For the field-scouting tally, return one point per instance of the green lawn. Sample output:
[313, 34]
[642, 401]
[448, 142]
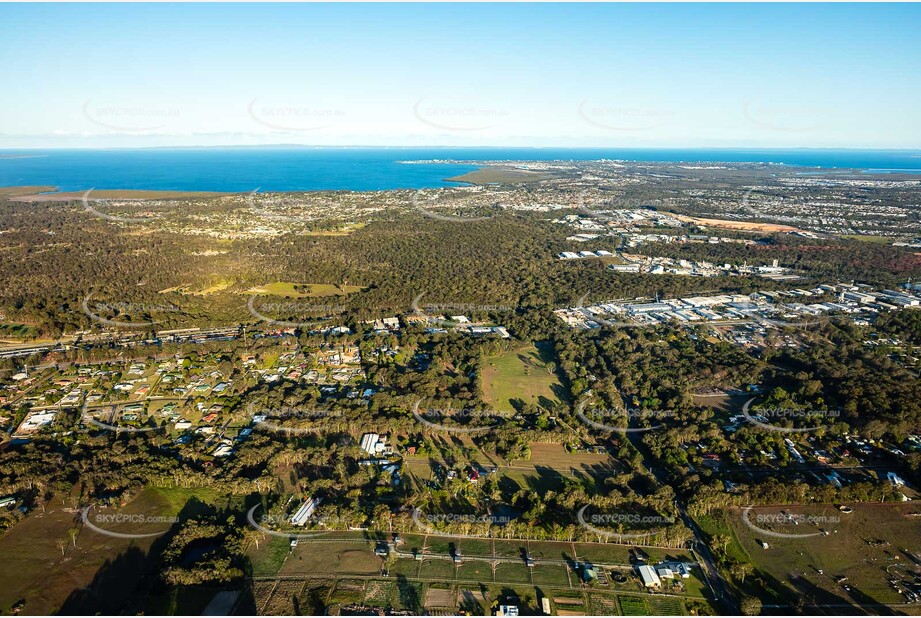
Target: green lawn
[604, 554]
[406, 567]
[475, 547]
[512, 572]
[550, 575]
[475, 570]
[268, 558]
[520, 376]
[509, 549]
[437, 569]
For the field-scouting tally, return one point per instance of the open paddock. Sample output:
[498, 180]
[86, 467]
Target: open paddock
[475, 570]
[513, 573]
[870, 545]
[437, 569]
[340, 558]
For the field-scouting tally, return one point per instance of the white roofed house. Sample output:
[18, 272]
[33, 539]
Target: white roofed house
[35, 421]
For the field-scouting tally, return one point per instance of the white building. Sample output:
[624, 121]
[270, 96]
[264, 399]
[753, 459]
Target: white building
[37, 420]
[649, 576]
[303, 514]
[375, 444]
[368, 442]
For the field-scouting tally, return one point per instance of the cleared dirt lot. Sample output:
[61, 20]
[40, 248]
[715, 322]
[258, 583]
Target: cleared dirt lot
[435, 597]
[739, 225]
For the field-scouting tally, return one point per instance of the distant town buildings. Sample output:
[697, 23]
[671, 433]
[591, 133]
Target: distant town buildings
[765, 308]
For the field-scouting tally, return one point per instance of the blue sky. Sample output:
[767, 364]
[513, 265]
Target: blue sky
[657, 75]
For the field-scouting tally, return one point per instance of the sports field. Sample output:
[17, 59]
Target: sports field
[521, 376]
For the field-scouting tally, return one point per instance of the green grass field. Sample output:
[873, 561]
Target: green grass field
[474, 570]
[36, 567]
[520, 375]
[549, 463]
[509, 549]
[269, 556]
[501, 175]
[476, 547]
[633, 606]
[550, 575]
[513, 572]
[437, 569]
[341, 558]
[860, 546]
[18, 331]
[304, 290]
[406, 567]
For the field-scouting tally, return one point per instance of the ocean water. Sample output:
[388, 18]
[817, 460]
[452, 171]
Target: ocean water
[357, 169]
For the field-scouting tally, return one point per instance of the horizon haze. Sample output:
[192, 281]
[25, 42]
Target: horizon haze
[547, 75]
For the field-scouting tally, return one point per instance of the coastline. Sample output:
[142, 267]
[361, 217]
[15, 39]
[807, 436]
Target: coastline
[51, 194]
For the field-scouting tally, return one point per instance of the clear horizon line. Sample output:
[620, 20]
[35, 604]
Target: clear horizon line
[456, 147]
